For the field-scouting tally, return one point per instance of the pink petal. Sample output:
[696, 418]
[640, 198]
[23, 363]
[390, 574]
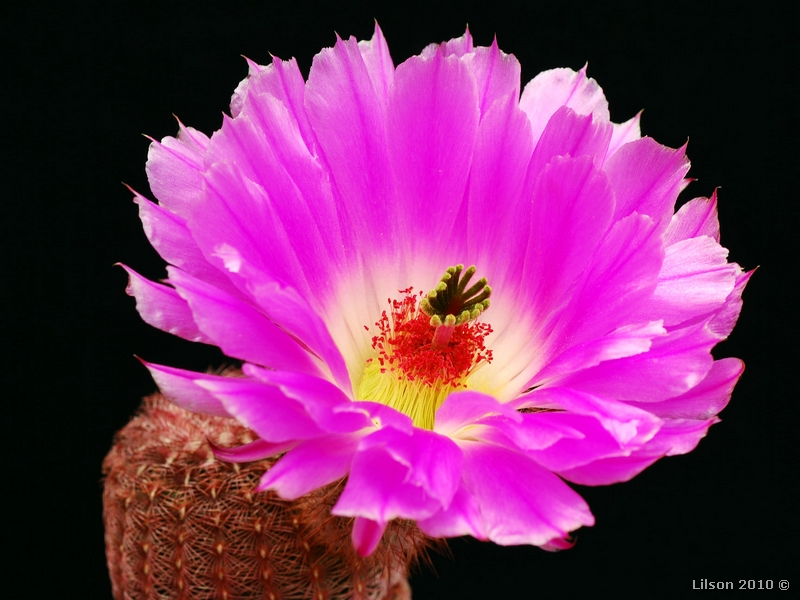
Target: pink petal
[431, 126]
[462, 517]
[621, 276]
[550, 90]
[503, 149]
[181, 388]
[330, 408]
[694, 281]
[238, 328]
[286, 309]
[262, 408]
[675, 363]
[462, 409]
[256, 450]
[379, 64]
[283, 81]
[366, 535]
[571, 212]
[723, 321]
[240, 93]
[568, 133]
[696, 218]
[170, 236]
[399, 475]
[455, 47]
[174, 170]
[704, 400]
[496, 75]
[627, 340]
[348, 120]
[624, 133]
[310, 465]
[162, 307]
[519, 501]
[646, 178]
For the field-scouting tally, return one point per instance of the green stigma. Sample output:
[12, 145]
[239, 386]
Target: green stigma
[451, 303]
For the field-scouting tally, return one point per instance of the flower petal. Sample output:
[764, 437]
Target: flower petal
[366, 535]
[496, 75]
[624, 133]
[181, 388]
[238, 328]
[462, 517]
[379, 64]
[432, 121]
[462, 409]
[696, 218]
[550, 90]
[255, 450]
[310, 465]
[174, 170]
[162, 307]
[519, 501]
[646, 177]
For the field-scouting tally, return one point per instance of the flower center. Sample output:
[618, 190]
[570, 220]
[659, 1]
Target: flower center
[427, 349]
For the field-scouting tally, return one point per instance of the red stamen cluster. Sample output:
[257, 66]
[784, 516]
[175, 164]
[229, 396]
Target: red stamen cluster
[405, 344]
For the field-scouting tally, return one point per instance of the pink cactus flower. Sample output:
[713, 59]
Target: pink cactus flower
[456, 296]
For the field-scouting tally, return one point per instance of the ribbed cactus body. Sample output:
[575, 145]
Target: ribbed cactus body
[182, 525]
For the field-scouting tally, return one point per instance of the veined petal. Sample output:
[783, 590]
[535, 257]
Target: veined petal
[262, 408]
[174, 169]
[311, 464]
[624, 133]
[462, 409]
[238, 328]
[455, 47]
[694, 281]
[704, 400]
[696, 218]
[646, 178]
[723, 321]
[378, 61]
[462, 517]
[399, 475]
[550, 90]
[348, 120]
[496, 75]
[182, 389]
[163, 308]
[432, 121]
[519, 501]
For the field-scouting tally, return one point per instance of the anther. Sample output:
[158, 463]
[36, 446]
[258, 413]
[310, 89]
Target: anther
[452, 298]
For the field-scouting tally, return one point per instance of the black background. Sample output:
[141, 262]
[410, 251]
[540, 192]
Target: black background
[84, 82]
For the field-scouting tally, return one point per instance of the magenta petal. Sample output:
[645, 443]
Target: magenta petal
[550, 90]
[379, 64]
[349, 122]
[571, 212]
[568, 133]
[174, 170]
[462, 409]
[310, 465]
[675, 363]
[628, 340]
[181, 388]
[462, 517]
[286, 309]
[256, 450]
[431, 126]
[704, 400]
[366, 535]
[723, 321]
[330, 408]
[519, 501]
[620, 278]
[162, 307]
[646, 177]
[238, 328]
[502, 152]
[695, 218]
[458, 47]
[624, 133]
[263, 408]
[399, 475]
[496, 74]
[694, 281]
[606, 471]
